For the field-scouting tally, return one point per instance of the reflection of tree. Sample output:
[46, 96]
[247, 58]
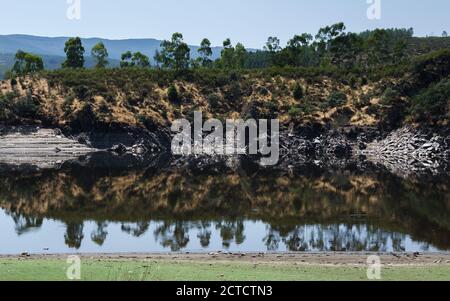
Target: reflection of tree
[99, 235]
[74, 235]
[137, 229]
[295, 242]
[231, 230]
[272, 240]
[308, 196]
[335, 238]
[174, 235]
[25, 223]
[204, 234]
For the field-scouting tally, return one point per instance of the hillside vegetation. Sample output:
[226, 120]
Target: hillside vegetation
[334, 79]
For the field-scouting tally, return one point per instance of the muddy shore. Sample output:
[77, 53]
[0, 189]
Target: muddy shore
[326, 259]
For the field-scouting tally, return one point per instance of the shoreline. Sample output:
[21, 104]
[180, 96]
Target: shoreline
[201, 267]
[320, 258]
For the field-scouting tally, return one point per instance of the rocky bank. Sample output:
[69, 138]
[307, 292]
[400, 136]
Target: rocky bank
[403, 152]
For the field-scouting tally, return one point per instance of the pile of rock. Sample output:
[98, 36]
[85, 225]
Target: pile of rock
[409, 150]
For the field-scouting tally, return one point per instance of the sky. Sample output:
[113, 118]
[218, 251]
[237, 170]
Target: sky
[246, 21]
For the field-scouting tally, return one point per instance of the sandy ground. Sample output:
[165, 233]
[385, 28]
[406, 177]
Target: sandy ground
[331, 259]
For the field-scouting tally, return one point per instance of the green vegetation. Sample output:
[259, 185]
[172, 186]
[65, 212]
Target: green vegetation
[117, 270]
[75, 54]
[100, 54]
[174, 54]
[297, 92]
[371, 78]
[432, 104]
[136, 59]
[26, 63]
[172, 94]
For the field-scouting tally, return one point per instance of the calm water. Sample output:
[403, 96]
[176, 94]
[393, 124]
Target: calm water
[309, 209]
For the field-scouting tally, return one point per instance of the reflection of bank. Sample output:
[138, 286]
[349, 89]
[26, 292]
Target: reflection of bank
[310, 209]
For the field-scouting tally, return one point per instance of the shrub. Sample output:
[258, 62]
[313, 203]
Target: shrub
[233, 92]
[393, 111]
[67, 104]
[297, 92]
[432, 67]
[85, 119]
[172, 94]
[5, 112]
[336, 99]
[82, 92]
[214, 100]
[147, 122]
[363, 81]
[294, 111]
[390, 97]
[104, 107]
[26, 107]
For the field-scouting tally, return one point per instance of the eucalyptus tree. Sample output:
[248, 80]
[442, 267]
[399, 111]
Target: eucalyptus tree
[174, 54]
[100, 54]
[75, 53]
[205, 53]
[26, 63]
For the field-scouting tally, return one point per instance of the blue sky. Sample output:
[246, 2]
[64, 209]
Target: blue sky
[247, 21]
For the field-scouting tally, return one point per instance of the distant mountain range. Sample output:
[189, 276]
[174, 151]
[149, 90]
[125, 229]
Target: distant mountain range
[52, 49]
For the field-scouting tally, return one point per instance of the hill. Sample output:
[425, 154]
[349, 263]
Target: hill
[52, 49]
[55, 46]
[51, 62]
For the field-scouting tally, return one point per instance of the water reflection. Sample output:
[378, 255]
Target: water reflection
[305, 210]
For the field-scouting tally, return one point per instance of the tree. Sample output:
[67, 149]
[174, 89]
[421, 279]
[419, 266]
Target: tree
[126, 59]
[136, 59]
[240, 54]
[140, 60]
[272, 45]
[344, 49]
[26, 63]
[75, 53]
[174, 54]
[205, 53]
[325, 37]
[227, 54]
[444, 34]
[100, 53]
[296, 51]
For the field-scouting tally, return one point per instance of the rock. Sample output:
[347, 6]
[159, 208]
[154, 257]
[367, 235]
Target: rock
[119, 149]
[409, 150]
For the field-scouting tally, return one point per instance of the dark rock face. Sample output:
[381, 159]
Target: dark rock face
[118, 149]
[324, 147]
